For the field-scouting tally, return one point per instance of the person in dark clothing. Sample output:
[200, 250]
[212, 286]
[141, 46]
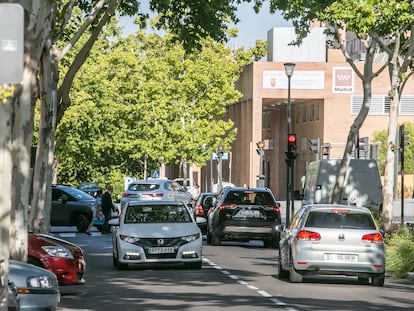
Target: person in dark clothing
[106, 207]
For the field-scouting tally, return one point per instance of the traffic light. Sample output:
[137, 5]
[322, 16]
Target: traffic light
[325, 150]
[260, 147]
[403, 137]
[314, 145]
[291, 151]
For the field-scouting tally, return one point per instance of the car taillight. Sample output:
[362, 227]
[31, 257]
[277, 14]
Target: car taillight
[125, 195]
[276, 208]
[199, 211]
[372, 238]
[308, 235]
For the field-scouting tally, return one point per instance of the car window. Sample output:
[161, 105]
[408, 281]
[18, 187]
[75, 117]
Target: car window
[157, 214]
[340, 220]
[249, 197]
[143, 187]
[76, 194]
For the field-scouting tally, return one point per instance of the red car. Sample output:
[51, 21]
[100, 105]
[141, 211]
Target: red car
[63, 258]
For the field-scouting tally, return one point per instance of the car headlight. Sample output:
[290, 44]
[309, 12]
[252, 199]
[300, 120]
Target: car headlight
[58, 251]
[190, 238]
[40, 282]
[129, 239]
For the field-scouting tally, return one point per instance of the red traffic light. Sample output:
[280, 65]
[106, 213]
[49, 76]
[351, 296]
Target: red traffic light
[292, 138]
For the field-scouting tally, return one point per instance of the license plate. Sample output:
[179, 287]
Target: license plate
[249, 214]
[161, 250]
[341, 257]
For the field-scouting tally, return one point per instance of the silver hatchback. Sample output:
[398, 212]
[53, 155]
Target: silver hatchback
[156, 189]
[332, 240]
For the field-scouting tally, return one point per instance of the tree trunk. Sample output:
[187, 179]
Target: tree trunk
[356, 125]
[37, 27]
[6, 200]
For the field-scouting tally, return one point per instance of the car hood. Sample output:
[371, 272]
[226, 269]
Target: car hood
[159, 230]
[20, 271]
[47, 240]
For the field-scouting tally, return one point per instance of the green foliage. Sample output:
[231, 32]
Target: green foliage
[381, 137]
[400, 253]
[144, 101]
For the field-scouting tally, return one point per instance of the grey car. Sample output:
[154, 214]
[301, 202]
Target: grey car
[330, 239]
[37, 288]
[156, 189]
[71, 207]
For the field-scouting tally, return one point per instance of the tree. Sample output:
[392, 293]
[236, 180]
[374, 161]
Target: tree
[387, 27]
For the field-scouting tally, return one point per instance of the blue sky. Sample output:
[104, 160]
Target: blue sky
[251, 27]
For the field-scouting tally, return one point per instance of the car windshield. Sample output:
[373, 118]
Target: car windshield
[355, 220]
[143, 187]
[249, 197]
[157, 214]
[78, 194]
[88, 186]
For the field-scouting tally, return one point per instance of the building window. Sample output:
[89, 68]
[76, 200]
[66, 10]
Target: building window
[297, 114]
[303, 113]
[314, 113]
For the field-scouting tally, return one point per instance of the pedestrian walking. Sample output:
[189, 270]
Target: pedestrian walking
[107, 207]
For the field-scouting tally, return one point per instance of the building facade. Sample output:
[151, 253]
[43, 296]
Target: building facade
[326, 96]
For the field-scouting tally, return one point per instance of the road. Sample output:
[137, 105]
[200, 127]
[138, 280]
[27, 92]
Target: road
[234, 276]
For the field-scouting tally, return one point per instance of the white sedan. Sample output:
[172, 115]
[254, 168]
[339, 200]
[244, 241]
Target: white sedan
[156, 232]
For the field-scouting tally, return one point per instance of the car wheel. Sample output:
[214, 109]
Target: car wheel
[282, 273]
[114, 261]
[215, 239]
[272, 243]
[82, 222]
[121, 266]
[378, 280]
[294, 276]
[35, 262]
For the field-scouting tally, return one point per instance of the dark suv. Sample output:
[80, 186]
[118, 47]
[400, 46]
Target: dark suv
[71, 207]
[243, 214]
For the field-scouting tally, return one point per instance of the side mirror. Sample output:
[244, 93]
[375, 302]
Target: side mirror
[63, 198]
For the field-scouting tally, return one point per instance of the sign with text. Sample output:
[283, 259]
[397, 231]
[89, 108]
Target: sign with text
[301, 80]
[11, 42]
[343, 80]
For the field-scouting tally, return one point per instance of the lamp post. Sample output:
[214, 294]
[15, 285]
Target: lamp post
[220, 152]
[289, 68]
[260, 183]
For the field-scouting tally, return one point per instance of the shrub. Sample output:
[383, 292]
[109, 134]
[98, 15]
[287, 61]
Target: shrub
[400, 252]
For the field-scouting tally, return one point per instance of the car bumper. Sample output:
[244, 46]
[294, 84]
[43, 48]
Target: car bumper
[133, 254]
[67, 271]
[247, 232]
[31, 302]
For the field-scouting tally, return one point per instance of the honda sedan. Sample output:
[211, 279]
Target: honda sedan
[332, 239]
[156, 232]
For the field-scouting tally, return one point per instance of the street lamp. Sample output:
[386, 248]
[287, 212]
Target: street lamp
[289, 68]
[220, 152]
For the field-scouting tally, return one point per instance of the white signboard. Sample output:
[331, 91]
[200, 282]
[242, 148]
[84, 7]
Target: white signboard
[301, 80]
[11, 42]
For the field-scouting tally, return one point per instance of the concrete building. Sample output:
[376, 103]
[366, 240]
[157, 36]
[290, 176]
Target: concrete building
[326, 96]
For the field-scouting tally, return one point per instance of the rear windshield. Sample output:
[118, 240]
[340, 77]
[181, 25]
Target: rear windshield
[340, 220]
[143, 187]
[157, 214]
[249, 197]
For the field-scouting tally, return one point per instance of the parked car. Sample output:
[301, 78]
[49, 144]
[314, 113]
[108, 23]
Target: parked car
[71, 207]
[155, 189]
[204, 202]
[12, 299]
[243, 214]
[90, 188]
[65, 259]
[332, 239]
[193, 188]
[37, 288]
[156, 232]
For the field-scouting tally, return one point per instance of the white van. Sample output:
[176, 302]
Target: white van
[362, 185]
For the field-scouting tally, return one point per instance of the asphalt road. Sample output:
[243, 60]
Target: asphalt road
[234, 276]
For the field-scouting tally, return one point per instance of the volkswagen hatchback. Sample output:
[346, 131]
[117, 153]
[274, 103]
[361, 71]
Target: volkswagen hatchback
[332, 240]
[156, 232]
